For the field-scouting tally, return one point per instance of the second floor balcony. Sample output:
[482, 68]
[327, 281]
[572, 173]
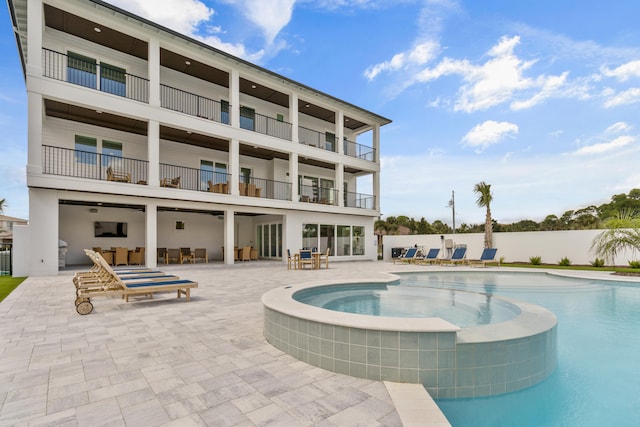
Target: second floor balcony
[88, 72]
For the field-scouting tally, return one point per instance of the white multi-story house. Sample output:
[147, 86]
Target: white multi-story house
[165, 142]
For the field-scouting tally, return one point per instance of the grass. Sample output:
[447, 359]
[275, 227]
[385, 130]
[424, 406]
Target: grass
[8, 284]
[625, 270]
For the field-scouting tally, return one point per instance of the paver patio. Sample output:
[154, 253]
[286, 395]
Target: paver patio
[167, 362]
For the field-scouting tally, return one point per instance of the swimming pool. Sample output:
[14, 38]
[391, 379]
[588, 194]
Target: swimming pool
[462, 308]
[449, 360]
[597, 380]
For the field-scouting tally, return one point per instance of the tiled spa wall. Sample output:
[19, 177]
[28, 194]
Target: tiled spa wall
[446, 368]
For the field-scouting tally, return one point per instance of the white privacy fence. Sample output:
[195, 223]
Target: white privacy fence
[551, 246]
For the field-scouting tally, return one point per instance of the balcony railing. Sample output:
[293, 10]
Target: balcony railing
[192, 104]
[91, 165]
[321, 195]
[316, 139]
[87, 73]
[359, 151]
[265, 125]
[266, 188]
[357, 200]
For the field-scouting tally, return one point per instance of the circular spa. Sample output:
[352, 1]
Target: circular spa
[454, 342]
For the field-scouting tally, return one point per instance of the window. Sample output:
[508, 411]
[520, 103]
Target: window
[206, 174]
[224, 112]
[358, 240]
[111, 152]
[343, 240]
[81, 70]
[269, 240]
[327, 233]
[179, 225]
[86, 149]
[247, 118]
[330, 141]
[113, 79]
[245, 175]
[220, 173]
[326, 191]
[310, 236]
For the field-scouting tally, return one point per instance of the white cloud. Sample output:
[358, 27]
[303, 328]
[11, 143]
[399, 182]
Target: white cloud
[182, 16]
[624, 71]
[489, 133]
[626, 97]
[419, 55]
[618, 127]
[604, 147]
[550, 86]
[270, 16]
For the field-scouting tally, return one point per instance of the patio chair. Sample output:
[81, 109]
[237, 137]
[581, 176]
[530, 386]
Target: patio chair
[325, 257]
[117, 175]
[121, 256]
[246, 253]
[200, 253]
[137, 256]
[488, 256]
[431, 257]
[292, 260]
[162, 255]
[305, 258]
[170, 182]
[173, 254]
[185, 254]
[409, 256]
[458, 257]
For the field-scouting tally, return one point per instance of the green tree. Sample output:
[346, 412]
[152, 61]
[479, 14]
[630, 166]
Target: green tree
[622, 233]
[483, 191]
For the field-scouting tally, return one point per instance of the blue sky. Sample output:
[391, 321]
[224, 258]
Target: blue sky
[539, 99]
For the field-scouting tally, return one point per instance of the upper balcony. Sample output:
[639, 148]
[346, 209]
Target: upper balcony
[95, 166]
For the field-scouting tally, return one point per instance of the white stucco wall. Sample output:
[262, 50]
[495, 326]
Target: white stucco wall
[514, 247]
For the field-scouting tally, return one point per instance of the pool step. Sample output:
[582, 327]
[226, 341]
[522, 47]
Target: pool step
[415, 406]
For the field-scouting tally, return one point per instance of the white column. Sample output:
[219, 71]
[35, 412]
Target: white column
[293, 117]
[376, 190]
[340, 183]
[234, 166]
[34, 133]
[229, 237]
[151, 234]
[35, 29]
[340, 131]
[234, 97]
[153, 153]
[376, 143]
[293, 175]
[44, 226]
[154, 72]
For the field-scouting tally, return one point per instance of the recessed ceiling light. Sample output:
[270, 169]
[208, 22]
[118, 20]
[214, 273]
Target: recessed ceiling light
[307, 106]
[253, 86]
[187, 62]
[98, 111]
[97, 29]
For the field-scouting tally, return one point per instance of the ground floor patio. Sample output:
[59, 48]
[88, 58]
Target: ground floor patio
[168, 362]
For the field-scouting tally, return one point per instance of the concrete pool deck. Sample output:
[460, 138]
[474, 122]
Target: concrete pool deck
[168, 362]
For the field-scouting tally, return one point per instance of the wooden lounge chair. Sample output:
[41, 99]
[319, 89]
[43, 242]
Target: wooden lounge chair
[488, 257]
[458, 257]
[431, 257]
[409, 256]
[111, 284]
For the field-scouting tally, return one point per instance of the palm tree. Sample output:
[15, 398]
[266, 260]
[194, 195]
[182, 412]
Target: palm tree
[483, 191]
[622, 233]
[3, 204]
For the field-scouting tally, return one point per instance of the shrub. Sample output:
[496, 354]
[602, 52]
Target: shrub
[597, 262]
[565, 262]
[634, 264]
[535, 260]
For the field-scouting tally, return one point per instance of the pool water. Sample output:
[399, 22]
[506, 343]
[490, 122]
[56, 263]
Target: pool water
[398, 300]
[597, 381]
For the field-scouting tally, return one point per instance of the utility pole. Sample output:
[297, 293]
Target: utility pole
[452, 205]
